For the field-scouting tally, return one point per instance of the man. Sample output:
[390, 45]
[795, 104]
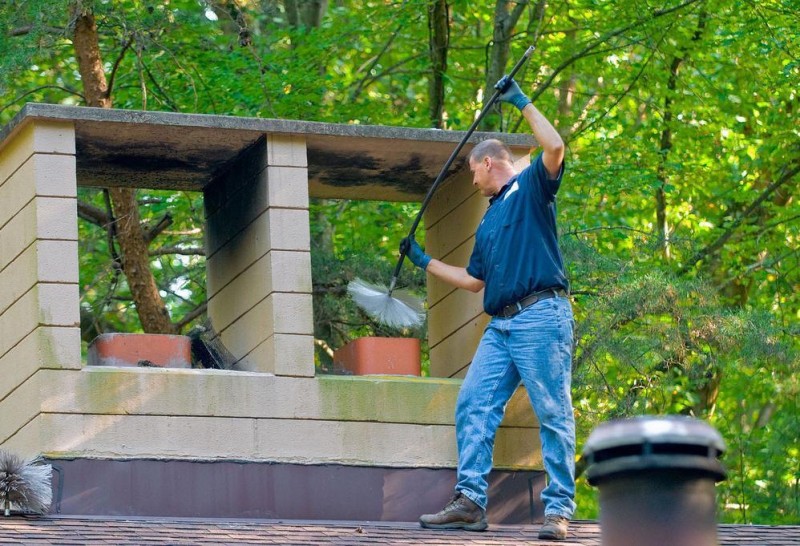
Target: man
[517, 261]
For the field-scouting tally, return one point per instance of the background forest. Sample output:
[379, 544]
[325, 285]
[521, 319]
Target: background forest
[678, 213]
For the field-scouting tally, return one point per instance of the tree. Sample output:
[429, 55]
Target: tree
[125, 223]
[439, 38]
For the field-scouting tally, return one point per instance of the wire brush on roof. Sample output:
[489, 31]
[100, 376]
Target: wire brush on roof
[25, 483]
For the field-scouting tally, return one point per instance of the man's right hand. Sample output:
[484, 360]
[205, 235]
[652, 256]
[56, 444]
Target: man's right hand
[410, 247]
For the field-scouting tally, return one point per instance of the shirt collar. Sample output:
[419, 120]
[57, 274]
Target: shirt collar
[503, 190]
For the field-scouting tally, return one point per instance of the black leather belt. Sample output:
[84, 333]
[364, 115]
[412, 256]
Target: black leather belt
[510, 310]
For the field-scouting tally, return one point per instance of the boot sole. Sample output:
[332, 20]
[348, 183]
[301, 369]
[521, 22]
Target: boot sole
[552, 536]
[477, 526]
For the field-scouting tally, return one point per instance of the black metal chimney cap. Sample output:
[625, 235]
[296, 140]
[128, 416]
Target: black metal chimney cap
[626, 446]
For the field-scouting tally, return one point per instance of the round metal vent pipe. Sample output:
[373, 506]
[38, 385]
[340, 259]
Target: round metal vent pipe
[655, 477]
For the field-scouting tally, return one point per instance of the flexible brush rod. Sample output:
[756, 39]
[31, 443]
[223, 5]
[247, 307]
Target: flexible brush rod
[443, 173]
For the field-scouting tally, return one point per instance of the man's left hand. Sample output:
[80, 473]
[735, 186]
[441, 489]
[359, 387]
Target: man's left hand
[511, 93]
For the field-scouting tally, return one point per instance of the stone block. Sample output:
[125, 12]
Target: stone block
[343, 442]
[286, 150]
[46, 347]
[456, 227]
[450, 195]
[289, 229]
[46, 137]
[288, 187]
[293, 354]
[147, 436]
[278, 313]
[18, 233]
[20, 406]
[42, 175]
[230, 260]
[453, 312]
[245, 172]
[458, 257]
[42, 305]
[282, 229]
[451, 355]
[279, 270]
[282, 354]
[57, 218]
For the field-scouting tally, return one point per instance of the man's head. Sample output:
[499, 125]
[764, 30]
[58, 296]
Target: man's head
[492, 165]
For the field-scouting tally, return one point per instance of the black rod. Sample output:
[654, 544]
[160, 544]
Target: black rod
[452, 158]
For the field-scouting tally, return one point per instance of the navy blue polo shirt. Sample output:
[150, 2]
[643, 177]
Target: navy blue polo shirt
[516, 246]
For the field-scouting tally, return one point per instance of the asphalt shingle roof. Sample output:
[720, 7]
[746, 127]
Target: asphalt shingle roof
[63, 530]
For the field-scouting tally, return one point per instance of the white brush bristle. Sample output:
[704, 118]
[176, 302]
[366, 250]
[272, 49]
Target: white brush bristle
[401, 310]
[25, 484]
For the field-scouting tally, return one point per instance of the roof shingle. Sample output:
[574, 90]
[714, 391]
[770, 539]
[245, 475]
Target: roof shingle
[63, 530]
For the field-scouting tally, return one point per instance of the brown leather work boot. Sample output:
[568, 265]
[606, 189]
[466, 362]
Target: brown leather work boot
[460, 513]
[554, 528]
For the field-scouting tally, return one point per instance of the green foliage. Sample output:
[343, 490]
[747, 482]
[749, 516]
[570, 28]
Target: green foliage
[178, 262]
[653, 343]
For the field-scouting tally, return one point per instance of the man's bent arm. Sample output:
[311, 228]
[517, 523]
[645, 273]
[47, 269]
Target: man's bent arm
[457, 276]
[548, 138]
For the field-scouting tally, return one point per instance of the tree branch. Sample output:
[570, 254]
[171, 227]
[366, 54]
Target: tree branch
[787, 176]
[40, 88]
[170, 250]
[118, 60]
[191, 315]
[164, 95]
[27, 29]
[391, 70]
[94, 215]
[589, 49]
[154, 231]
[99, 217]
[366, 79]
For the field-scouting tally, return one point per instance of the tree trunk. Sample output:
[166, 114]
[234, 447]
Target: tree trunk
[150, 307]
[305, 13]
[87, 50]
[438, 42]
[504, 23]
[152, 312]
[662, 225]
[312, 11]
[566, 90]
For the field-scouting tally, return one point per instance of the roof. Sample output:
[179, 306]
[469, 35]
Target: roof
[169, 150]
[149, 530]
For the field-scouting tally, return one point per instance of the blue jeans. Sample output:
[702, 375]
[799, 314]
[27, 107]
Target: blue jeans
[533, 347]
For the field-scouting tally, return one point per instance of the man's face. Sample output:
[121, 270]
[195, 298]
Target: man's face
[480, 175]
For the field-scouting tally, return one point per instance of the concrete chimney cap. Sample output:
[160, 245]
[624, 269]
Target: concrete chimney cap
[671, 429]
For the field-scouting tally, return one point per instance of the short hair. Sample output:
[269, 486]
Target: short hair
[496, 149]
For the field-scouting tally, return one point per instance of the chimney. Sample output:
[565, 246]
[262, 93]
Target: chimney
[656, 479]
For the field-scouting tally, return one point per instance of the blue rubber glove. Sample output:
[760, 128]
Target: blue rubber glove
[410, 247]
[511, 93]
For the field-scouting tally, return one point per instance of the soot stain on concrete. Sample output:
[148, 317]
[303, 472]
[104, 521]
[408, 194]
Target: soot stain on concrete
[341, 170]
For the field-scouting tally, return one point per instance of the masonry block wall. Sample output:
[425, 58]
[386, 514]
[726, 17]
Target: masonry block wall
[270, 408]
[39, 320]
[259, 258]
